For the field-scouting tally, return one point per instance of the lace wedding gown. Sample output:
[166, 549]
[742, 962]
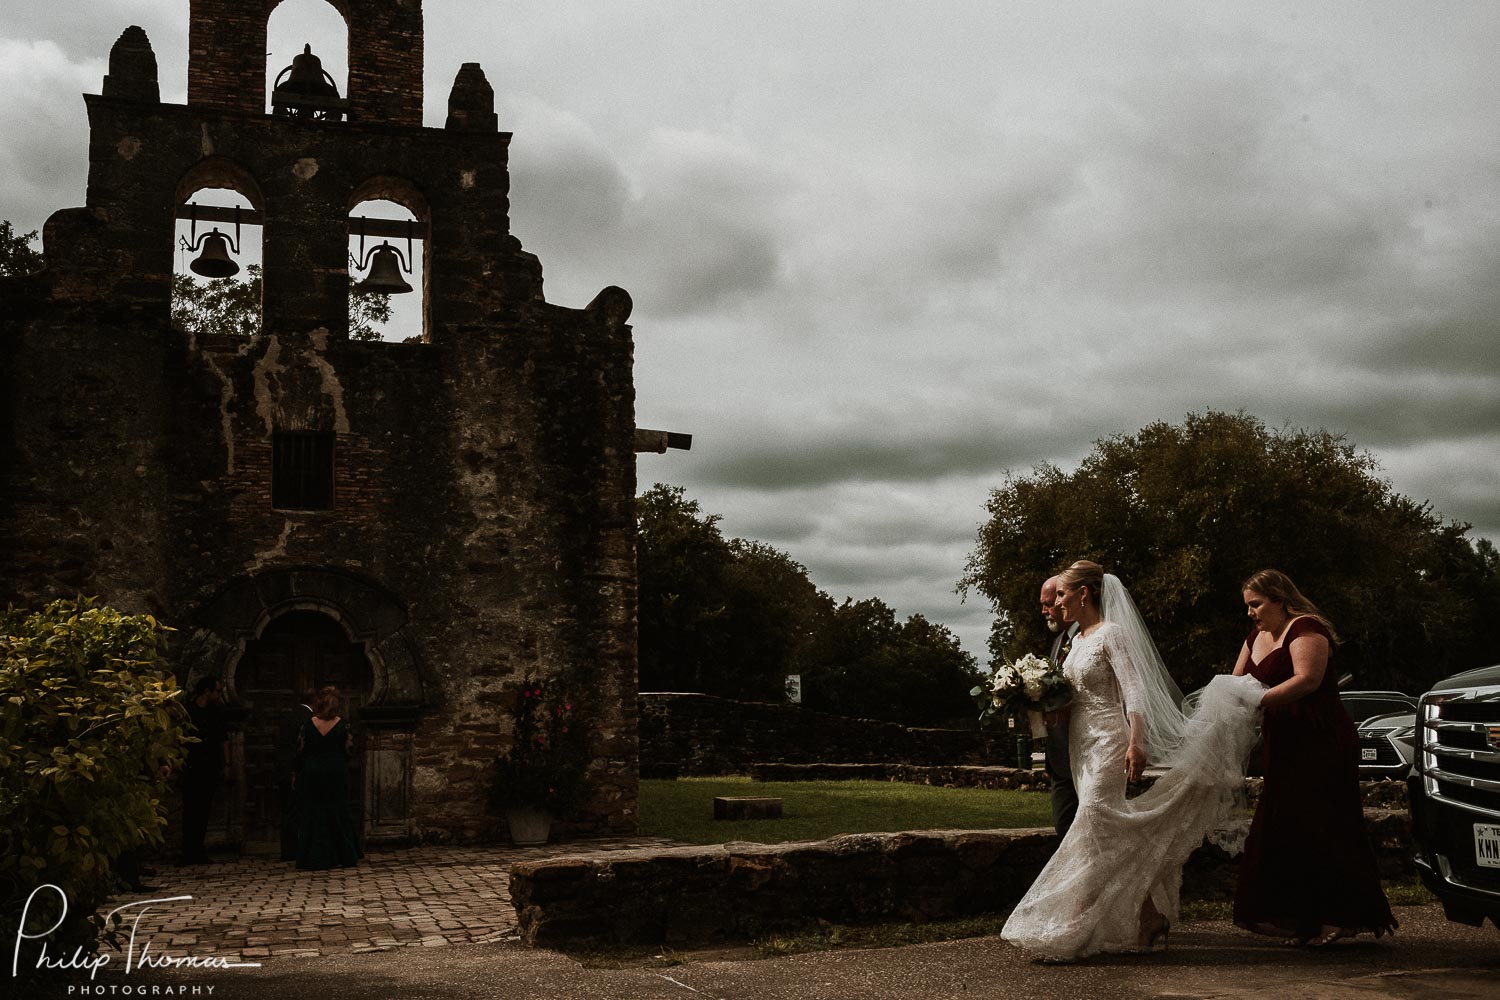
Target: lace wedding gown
[1088, 898]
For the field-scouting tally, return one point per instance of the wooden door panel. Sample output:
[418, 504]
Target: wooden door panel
[298, 652]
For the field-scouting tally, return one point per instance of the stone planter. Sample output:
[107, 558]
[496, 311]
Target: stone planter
[529, 825]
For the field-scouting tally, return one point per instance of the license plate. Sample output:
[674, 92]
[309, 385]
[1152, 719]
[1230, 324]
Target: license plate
[1487, 844]
[1368, 753]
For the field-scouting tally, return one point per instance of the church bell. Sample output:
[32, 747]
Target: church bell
[305, 88]
[386, 264]
[215, 261]
[306, 76]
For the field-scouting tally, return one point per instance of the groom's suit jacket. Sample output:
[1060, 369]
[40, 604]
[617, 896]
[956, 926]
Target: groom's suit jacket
[1064, 797]
[1059, 640]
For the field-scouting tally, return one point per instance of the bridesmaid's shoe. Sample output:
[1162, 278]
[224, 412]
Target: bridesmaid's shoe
[1328, 937]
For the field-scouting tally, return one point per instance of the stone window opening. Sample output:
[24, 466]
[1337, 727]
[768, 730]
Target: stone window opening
[302, 470]
[208, 308]
[376, 219]
[316, 24]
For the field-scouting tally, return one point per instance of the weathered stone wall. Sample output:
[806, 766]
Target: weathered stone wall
[733, 892]
[227, 41]
[697, 734]
[304, 178]
[482, 526]
[737, 891]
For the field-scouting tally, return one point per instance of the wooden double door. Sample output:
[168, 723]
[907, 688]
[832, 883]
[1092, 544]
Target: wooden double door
[296, 654]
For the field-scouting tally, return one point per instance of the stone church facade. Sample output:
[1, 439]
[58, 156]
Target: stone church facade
[424, 524]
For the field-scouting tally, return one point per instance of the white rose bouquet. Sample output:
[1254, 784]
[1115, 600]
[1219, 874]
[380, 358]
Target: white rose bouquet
[1029, 684]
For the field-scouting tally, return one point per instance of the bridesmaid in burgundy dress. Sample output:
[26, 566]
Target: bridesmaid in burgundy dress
[1308, 874]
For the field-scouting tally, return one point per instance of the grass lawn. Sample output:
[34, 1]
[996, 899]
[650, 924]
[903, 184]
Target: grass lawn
[683, 810]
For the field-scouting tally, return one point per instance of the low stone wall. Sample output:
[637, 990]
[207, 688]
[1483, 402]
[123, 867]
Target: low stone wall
[739, 891]
[700, 734]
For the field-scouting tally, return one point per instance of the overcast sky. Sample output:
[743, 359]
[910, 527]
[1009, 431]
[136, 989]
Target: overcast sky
[883, 253]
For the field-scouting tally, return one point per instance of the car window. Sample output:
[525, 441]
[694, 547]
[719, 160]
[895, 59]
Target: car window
[1363, 707]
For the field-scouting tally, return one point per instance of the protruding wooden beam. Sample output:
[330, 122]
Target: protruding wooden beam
[660, 441]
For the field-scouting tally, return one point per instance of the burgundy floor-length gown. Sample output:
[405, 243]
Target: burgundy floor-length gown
[1307, 863]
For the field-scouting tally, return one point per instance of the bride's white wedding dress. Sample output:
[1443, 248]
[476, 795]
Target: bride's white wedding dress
[1088, 898]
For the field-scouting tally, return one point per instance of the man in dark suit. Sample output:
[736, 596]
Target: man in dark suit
[1064, 796]
[206, 766]
[287, 739]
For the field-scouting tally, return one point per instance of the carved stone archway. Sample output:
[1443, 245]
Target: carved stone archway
[384, 713]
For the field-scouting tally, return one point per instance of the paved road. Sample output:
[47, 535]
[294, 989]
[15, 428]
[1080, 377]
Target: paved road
[435, 924]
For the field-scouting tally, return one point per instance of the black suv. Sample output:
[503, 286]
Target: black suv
[1455, 795]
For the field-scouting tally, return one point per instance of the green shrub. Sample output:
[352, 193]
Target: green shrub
[90, 727]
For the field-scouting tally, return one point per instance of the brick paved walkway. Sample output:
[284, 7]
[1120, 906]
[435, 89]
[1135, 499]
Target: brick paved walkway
[258, 908]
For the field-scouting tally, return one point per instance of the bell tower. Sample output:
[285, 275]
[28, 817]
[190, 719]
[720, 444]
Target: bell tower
[455, 510]
[303, 171]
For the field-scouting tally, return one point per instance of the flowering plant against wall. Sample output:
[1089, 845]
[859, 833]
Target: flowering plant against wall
[549, 752]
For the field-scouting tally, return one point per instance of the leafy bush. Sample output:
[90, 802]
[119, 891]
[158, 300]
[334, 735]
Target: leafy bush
[549, 753]
[90, 724]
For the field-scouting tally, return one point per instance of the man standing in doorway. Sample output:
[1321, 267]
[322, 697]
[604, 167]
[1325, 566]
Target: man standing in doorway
[288, 743]
[207, 765]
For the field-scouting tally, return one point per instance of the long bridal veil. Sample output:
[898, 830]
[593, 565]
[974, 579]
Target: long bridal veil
[1206, 753]
[1159, 701]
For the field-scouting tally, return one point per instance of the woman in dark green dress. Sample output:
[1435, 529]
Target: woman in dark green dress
[326, 835]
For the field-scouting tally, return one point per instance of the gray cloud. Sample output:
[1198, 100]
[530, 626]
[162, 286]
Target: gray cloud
[691, 217]
[771, 463]
[44, 155]
[881, 253]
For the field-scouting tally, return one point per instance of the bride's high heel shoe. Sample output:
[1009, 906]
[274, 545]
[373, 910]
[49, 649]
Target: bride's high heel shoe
[1159, 934]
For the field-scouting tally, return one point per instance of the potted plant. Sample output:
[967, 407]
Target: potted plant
[541, 777]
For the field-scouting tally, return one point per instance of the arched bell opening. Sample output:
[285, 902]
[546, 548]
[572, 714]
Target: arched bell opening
[307, 59]
[216, 273]
[298, 651]
[389, 254]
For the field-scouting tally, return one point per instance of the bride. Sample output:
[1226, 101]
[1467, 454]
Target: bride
[1113, 884]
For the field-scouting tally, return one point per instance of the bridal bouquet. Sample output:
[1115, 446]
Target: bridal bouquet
[1029, 684]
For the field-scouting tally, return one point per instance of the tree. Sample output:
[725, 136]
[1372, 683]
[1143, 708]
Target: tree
[867, 665]
[720, 616]
[229, 308]
[735, 617]
[775, 612]
[1184, 513]
[17, 256]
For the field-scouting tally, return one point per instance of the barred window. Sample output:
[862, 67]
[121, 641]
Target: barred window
[302, 470]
